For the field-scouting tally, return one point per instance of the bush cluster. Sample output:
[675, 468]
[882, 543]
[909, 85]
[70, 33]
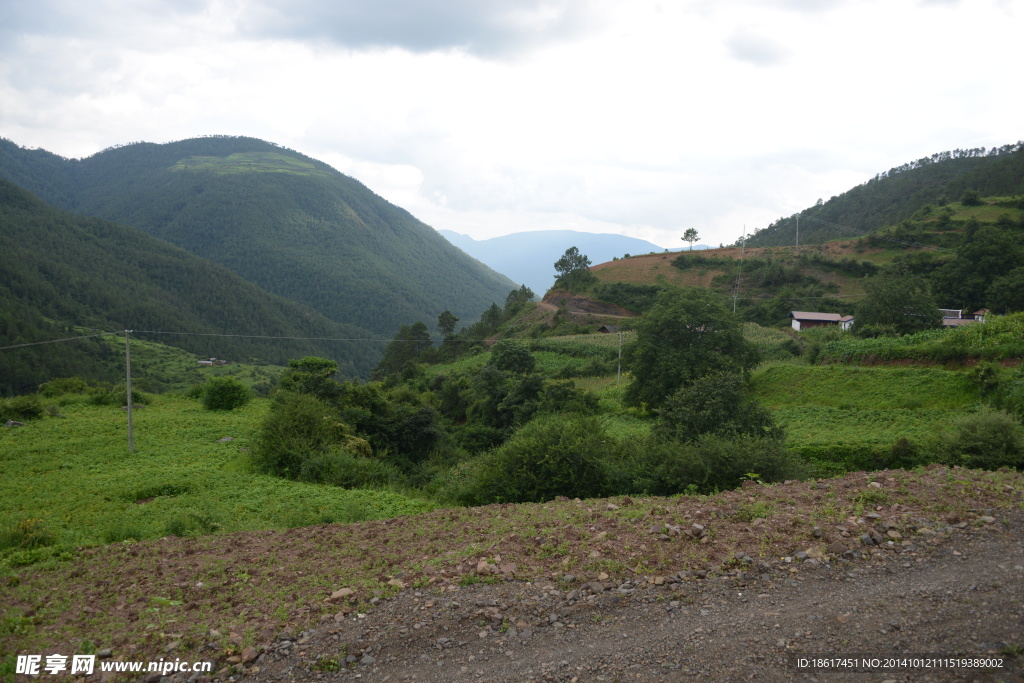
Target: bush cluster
[551, 456]
[225, 393]
[20, 408]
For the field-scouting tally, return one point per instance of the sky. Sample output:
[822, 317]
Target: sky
[487, 117]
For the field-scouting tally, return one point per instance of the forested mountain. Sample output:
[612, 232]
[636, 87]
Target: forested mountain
[289, 223]
[527, 257]
[61, 272]
[897, 194]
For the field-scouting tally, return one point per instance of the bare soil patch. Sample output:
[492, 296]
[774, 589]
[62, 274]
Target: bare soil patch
[726, 587]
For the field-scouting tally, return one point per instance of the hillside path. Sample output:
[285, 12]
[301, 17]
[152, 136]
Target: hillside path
[963, 595]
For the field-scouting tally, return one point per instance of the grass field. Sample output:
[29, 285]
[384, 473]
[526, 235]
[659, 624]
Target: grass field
[75, 477]
[781, 386]
[836, 414]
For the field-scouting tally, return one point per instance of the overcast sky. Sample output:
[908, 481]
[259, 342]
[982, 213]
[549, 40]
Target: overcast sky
[495, 116]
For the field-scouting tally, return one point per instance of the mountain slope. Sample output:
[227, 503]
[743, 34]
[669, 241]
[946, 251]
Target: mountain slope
[289, 223]
[60, 270]
[891, 197]
[527, 257]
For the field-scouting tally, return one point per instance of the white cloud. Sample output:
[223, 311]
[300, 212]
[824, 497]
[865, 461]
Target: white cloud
[483, 27]
[755, 48]
[611, 117]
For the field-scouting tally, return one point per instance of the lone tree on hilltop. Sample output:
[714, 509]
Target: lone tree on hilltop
[691, 236]
[573, 270]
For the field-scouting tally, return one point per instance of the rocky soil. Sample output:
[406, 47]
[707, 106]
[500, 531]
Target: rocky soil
[960, 594]
[739, 586]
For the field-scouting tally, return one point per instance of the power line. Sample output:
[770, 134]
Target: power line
[264, 336]
[54, 341]
[242, 336]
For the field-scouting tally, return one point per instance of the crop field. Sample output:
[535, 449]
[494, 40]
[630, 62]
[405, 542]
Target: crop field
[1001, 337]
[71, 480]
[250, 162]
[585, 344]
[781, 386]
[822, 426]
[654, 268]
[835, 415]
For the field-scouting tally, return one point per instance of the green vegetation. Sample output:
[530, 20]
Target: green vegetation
[999, 338]
[251, 162]
[902, 192]
[573, 271]
[551, 456]
[896, 303]
[63, 275]
[70, 481]
[225, 393]
[685, 336]
[501, 411]
[283, 221]
[849, 417]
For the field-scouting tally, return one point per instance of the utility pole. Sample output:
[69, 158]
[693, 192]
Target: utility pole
[128, 382]
[739, 269]
[798, 232]
[618, 375]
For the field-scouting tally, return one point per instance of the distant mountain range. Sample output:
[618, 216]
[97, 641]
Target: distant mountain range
[288, 223]
[528, 257]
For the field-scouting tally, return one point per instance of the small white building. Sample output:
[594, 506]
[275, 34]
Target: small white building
[803, 320]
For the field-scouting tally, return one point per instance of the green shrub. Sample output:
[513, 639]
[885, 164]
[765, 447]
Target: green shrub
[177, 526]
[116, 397]
[342, 468]
[26, 535]
[1008, 393]
[710, 463]
[476, 437]
[556, 455]
[987, 439]
[510, 355]
[838, 458]
[150, 491]
[198, 523]
[120, 530]
[225, 393]
[63, 385]
[714, 404]
[21, 408]
[298, 428]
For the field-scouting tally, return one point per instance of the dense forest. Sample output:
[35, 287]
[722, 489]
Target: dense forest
[897, 194]
[63, 275]
[286, 222]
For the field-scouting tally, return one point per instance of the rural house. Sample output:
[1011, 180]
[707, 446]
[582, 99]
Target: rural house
[954, 317]
[808, 319]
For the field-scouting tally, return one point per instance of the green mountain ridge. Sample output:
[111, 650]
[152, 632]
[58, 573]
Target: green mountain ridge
[897, 194]
[287, 222]
[60, 272]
